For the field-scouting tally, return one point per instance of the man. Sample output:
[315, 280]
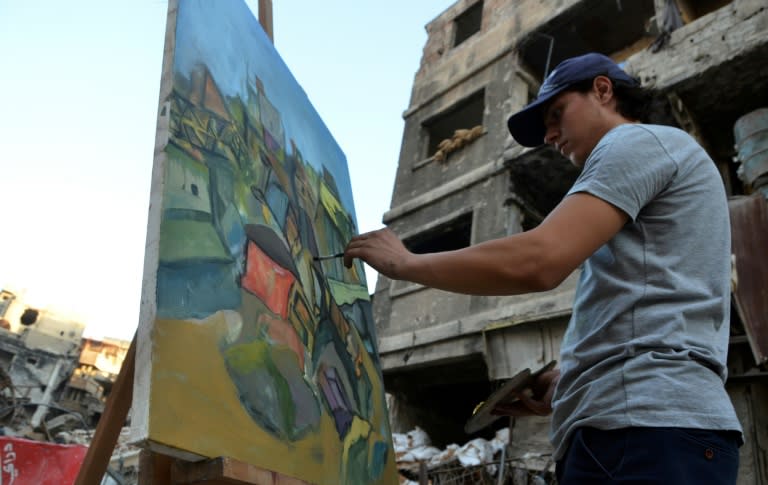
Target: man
[640, 395]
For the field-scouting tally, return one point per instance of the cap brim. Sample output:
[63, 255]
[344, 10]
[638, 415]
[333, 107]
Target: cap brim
[527, 125]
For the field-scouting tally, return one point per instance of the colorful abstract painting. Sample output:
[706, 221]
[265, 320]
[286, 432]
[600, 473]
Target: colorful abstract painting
[248, 347]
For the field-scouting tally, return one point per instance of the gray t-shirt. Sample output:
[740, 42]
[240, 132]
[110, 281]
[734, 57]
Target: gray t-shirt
[648, 337]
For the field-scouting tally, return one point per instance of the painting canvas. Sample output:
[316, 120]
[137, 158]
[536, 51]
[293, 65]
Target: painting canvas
[249, 347]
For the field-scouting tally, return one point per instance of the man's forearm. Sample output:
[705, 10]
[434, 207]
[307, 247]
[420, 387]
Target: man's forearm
[507, 266]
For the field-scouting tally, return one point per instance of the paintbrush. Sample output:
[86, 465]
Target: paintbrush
[330, 256]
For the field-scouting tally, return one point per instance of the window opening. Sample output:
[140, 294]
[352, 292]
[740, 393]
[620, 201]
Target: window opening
[29, 316]
[452, 235]
[692, 10]
[441, 398]
[468, 23]
[466, 114]
[617, 29]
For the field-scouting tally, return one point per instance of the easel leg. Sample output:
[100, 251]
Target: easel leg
[108, 430]
[154, 468]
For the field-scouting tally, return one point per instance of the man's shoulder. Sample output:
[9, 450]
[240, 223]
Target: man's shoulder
[647, 138]
[647, 129]
[630, 137]
[662, 133]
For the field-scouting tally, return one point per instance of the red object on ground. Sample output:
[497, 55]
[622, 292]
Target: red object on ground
[27, 462]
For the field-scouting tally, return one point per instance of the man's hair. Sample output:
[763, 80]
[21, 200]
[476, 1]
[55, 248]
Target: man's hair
[632, 101]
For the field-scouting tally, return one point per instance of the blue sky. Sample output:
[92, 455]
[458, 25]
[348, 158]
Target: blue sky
[79, 87]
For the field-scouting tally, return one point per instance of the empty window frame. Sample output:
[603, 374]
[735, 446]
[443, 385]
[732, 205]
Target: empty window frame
[451, 232]
[468, 23]
[694, 9]
[465, 114]
[449, 236]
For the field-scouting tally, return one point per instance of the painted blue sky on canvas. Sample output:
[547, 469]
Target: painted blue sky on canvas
[214, 34]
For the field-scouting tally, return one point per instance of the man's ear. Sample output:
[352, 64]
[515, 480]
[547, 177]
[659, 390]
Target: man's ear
[603, 88]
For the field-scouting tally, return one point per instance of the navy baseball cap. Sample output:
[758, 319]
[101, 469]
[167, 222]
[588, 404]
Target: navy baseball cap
[527, 125]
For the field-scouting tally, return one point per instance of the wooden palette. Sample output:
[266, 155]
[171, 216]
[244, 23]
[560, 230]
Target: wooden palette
[483, 417]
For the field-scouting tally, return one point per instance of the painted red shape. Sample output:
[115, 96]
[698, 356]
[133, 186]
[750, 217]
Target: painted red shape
[26, 462]
[267, 280]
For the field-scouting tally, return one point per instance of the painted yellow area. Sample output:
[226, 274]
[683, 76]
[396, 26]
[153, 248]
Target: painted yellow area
[267, 214]
[190, 385]
[248, 356]
[358, 430]
[330, 202]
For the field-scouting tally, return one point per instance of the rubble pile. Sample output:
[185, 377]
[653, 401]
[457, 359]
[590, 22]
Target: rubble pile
[414, 448]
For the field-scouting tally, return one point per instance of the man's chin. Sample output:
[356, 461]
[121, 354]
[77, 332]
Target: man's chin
[575, 161]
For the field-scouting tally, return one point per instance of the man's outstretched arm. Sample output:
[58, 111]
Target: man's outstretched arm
[535, 260]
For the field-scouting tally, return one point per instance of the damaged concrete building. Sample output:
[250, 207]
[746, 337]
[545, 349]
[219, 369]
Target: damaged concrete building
[51, 378]
[461, 180]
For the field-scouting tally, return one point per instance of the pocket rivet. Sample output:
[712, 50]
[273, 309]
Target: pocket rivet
[709, 453]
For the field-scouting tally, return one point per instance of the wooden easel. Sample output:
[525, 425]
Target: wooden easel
[111, 422]
[156, 468]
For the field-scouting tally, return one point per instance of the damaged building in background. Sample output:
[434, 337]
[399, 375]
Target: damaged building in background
[462, 180]
[52, 379]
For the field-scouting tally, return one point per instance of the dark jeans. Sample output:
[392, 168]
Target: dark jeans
[678, 456]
